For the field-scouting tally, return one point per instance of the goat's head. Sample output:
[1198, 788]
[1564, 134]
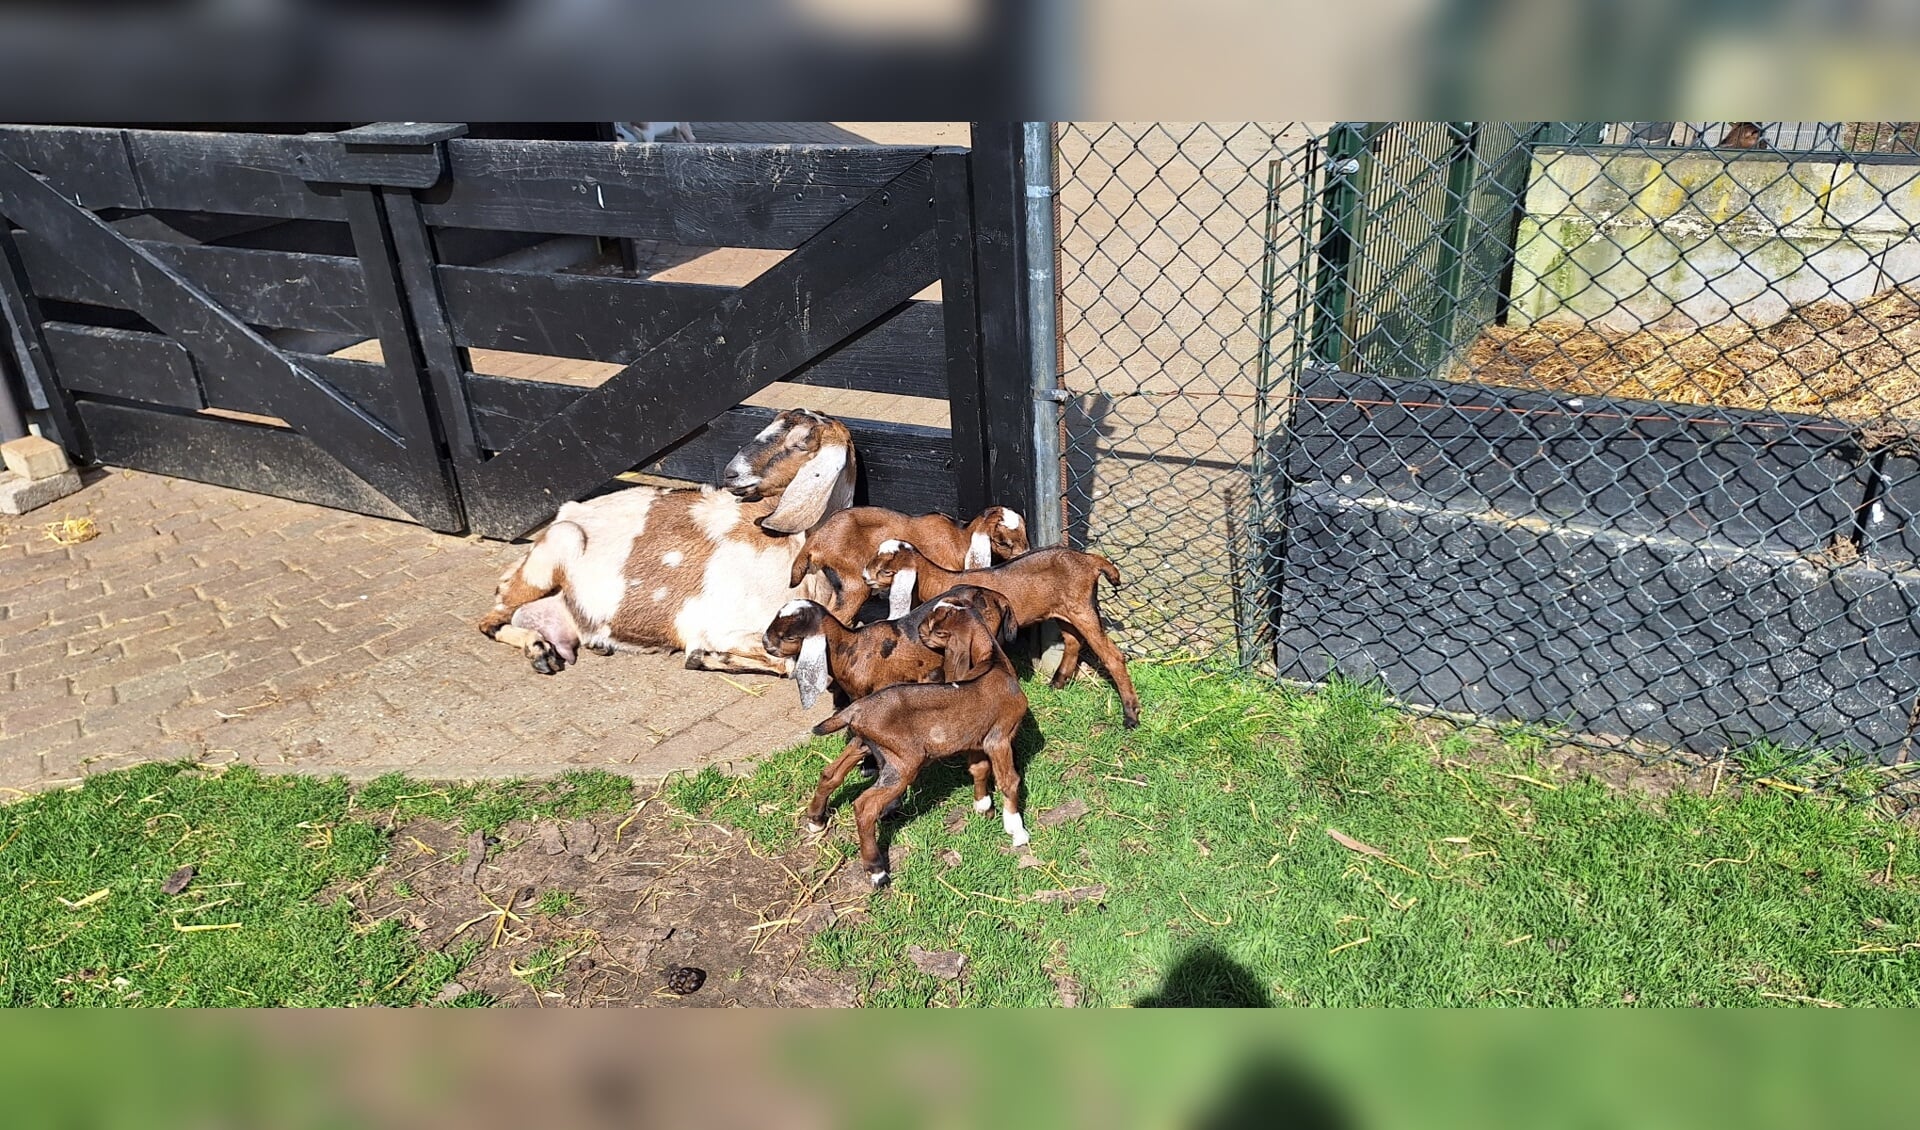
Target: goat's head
[1006, 532]
[896, 568]
[805, 458]
[954, 628]
[993, 609]
[798, 633]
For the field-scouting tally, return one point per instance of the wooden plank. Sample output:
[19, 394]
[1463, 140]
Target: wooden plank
[21, 318]
[1006, 382]
[903, 466]
[228, 351]
[271, 288]
[229, 453]
[953, 219]
[248, 173]
[123, 363]
[444, 361]
[598, 318]
[585, 316]
[89, 165]
[410, 411]
[702, 195]
[859, 267]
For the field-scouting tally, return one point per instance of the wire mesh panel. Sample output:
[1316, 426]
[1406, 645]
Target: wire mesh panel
[1164, 246]
[1619, 437]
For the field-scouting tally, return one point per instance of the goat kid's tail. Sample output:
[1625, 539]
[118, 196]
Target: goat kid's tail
[834, 724]
[1107, 569]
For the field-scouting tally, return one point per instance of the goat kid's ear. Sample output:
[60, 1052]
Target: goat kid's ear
[823, 484]
[966, 656]
[979, 552]
[900, 596]
[810, 670]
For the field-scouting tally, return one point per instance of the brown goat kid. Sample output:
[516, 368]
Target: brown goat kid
[974, 714]
[841, 547]
[1046, 584]
[855, 663]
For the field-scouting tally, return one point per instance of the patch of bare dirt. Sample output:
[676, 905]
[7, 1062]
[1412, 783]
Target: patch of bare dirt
[1619, 770]
[616, 910]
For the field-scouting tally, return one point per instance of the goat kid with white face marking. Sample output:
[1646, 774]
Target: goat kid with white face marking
[700, 570]
[840, 549]
[974, 714]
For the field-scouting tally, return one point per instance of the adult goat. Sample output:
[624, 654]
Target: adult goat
[701, 570]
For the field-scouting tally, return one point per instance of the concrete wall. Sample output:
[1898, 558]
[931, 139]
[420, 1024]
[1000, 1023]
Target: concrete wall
[1625, 240]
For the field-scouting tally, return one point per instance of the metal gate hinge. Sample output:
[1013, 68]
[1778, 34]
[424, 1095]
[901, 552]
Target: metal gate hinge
[1053, 395]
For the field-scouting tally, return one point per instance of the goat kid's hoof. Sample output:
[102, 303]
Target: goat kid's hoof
[869, 770]
[1131, 722]
[601, 648]
[984, 804]
[545, 660]
[815, 826]
[877, 878]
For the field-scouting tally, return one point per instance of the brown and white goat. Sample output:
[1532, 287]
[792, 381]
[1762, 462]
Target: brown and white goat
[700, 570]
[840, 549]
[975, 713]
[1047, 584]
[857, 662]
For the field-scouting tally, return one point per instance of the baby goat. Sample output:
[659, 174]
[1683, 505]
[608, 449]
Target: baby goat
[858, 662]
[1047, 584]
[975, 714]
[845, 542]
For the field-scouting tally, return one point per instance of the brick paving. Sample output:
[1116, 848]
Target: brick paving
[216, 625]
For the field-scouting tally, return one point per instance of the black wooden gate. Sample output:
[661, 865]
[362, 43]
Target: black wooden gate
[177, 301]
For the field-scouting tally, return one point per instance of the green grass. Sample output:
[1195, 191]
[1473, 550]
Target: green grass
[1209, 828]
[83, 919]
[555, 903]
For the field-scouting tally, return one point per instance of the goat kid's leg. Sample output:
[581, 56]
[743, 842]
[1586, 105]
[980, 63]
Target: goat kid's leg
[1069, 661]
[981, 766]
[1007, 778]
[1087, 625]
[546, 633]
[539, 574]
[831, 778]
[870, 807]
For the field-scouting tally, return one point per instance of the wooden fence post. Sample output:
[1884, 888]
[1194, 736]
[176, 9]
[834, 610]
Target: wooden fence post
[1005, 388]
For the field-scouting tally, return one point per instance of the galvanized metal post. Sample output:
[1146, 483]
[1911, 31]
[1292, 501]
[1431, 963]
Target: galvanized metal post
[1043, 343]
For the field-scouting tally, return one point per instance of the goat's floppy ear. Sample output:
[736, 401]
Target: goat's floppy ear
[823, 484]
[900, 596]
[969, 652]
[1009, 627]
[810, 670]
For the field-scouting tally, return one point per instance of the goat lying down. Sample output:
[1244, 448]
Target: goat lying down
[843, 544]
[974, 713]
[701, 570]
[1047, 584]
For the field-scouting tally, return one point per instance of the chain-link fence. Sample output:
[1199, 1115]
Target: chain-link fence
[1526, 423]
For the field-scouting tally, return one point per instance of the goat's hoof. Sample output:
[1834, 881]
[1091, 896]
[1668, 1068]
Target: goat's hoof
[601, 648]
[696, 660]
[816, 826]
[983, 804]
[1131, 721]
[1058, 682]
[545, 660]
[877, 878]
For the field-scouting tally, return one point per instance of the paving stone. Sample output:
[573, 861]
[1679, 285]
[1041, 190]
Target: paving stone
[194, 600]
